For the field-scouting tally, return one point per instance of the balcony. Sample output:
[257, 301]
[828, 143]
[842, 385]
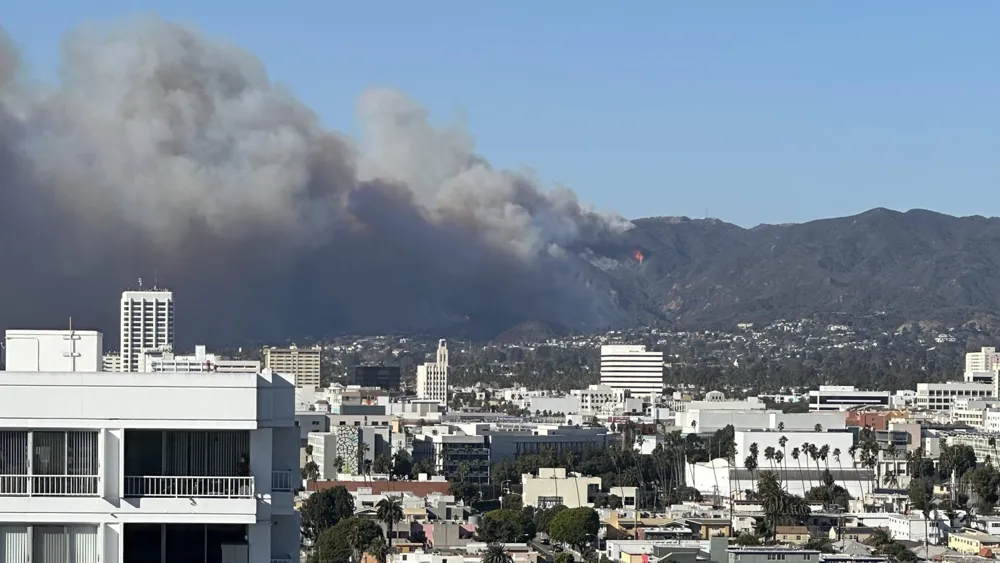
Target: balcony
[49, 485]
[188, 487]
[35, 463]
[282, 481]
[187, 464]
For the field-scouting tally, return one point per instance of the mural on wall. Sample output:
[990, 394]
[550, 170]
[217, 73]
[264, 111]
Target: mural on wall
[347, 448]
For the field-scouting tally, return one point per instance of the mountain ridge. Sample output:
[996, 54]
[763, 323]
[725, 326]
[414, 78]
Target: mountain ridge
[707, 273]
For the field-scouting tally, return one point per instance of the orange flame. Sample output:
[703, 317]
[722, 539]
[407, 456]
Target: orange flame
[639, 256]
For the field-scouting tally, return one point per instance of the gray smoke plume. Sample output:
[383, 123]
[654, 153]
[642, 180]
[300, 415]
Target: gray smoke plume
[161, 151]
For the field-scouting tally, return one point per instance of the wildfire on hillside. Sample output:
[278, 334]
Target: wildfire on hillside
[638, 255]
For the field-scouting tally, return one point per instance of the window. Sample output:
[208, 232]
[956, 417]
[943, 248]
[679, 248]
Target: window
[49, 544]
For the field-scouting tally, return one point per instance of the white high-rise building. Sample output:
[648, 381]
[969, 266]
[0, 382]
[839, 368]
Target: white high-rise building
[632, 368]
[147, 323]
[119, 467]
[432, 378]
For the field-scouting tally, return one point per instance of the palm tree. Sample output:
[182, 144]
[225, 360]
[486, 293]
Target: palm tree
[783, 442]
[796, 454]
[804, 449]
[778, 458]
[496, 553]
[363, 448]
[890, 479]
[750, 463]
[818, 427]
[769, 455]
[338, 462]
[781, 427]
[389, 511]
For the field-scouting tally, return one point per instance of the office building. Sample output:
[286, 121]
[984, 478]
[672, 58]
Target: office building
[54, 350]
[844, 397]
[379, 377]
[432, 377]
[632, 368]
[127, 467]
[303, 364]
[941, 396]
[160, 361]
[147, 323]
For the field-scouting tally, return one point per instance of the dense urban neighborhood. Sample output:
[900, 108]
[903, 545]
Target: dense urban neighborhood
[633, 446]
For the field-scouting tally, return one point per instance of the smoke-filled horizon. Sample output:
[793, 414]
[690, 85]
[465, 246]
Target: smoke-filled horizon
[160, 151]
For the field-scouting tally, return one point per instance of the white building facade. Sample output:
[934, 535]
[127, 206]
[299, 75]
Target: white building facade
[632, 368]
[147, 322]
[844, 397]
[122, 467]
[941, 396]
[432, 378]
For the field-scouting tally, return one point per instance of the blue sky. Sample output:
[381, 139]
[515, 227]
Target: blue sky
[755, 112]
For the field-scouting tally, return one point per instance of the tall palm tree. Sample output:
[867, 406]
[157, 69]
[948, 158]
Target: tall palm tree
[796, 455]
[363, 449]
[778, 458]
[750, 463]
[783, 442]
[389, 511]
[496, 553]
[804, 449]
[781, 427]
[769, 455]
[890, 479]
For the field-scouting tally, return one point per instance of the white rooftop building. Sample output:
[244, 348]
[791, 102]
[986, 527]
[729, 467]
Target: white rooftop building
[54, 350]
[119, 467]
[164, 360]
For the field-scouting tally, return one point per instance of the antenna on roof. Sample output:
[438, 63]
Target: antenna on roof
[140, 283]
[71, 324]
[156, 279]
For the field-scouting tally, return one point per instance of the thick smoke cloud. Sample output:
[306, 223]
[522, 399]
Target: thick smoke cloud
[161, 153]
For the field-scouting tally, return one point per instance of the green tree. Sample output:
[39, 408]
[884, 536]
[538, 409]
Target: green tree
[506, 526]
[543, 517]
[564, 557]
[575, 526]
[389, 511]
[324, 509]
[382, 465]
[496, 553]
[348, 539]
[512, 501]
[402, 465]
[746, 539]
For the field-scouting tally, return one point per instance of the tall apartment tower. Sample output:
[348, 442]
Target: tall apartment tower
[432, 378]
[147, 323]
[633, 368]
[301, 363]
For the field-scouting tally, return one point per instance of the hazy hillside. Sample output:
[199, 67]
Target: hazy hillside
[700, 273]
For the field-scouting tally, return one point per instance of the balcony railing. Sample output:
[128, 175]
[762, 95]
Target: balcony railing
[282, 481]
[49, 485]
[180, 487]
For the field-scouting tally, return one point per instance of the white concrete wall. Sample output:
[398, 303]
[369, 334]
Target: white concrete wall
[841, 440]
[54, 350]
[706, 420]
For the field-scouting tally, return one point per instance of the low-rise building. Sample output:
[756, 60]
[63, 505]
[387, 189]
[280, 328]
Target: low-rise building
[554, 486]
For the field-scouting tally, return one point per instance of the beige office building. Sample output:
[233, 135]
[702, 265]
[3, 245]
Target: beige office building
[301, 363]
